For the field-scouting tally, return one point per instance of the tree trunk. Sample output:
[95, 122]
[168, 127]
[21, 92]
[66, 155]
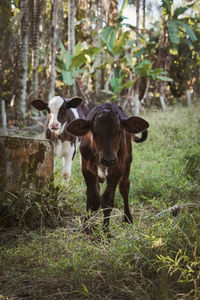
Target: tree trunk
[99, 71]
[163, 62]
[137, 20]
[136, 99]
[71, 32]
[188, 97]
[23, 58]
[35, 49]
[54, 15]
[145, 96]
[25, 164]
[136, 86]
[144, 13]
[162, 95]
[4, 118]
[71, 26]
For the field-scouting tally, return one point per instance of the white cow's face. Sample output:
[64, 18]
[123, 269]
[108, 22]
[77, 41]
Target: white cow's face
[58, 109]
[54, 106]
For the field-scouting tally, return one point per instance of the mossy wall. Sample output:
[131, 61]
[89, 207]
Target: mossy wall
[24, 164]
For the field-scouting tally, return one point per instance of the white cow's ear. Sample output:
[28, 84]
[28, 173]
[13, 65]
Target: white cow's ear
[79, 127]
[39, 104]
[73, 102]
[134, 125]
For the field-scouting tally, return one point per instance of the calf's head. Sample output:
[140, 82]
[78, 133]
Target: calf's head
[108, 132]
[57, 109]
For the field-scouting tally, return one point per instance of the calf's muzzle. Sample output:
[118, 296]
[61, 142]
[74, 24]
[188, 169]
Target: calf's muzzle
[108, 160]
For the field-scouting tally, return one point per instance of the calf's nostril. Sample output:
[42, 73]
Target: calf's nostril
[108, 161]
[54, 126]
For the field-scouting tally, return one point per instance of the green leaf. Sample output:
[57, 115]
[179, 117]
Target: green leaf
[78, 61]
[189, 31]
[85, 288]
[157, 71]
[179, 11]
[108, 37]
[78, 48]
[128, 84]
[60, 65]
[62, 48]
[140, 52]
[129, 61]
[163, 78]
[167, 4]
[108, 92]
[64, 56]
[173, 31]
[144, 68]
[67, 77]
[97, 65]
[92, 50]
[115, 83]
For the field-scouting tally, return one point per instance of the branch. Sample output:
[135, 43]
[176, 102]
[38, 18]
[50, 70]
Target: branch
[175, 210]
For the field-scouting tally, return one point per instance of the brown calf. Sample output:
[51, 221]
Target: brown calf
[107, 154]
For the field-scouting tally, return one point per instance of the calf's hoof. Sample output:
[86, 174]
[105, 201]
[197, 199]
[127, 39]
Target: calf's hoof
[66, 177]
[128, 219]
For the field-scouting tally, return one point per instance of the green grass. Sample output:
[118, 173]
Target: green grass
[155, 258]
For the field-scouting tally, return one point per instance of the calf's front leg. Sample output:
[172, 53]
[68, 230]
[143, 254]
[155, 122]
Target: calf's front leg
[67, 152]
[92, 190]
[108, 198]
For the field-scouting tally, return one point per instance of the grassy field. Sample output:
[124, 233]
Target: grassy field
[46, 256]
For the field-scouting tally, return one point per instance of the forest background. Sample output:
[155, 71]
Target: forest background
[90, 49]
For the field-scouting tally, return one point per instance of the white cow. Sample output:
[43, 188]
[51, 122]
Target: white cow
[61, 113]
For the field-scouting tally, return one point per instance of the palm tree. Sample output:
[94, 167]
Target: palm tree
[99, 25]
[35, 43]
[5, 9]
[23, 59]
[136, 92]
[71, 26]
[71, 33]
[54, 33]
[144, 13]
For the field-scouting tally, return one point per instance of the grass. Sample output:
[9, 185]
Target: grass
[155, 258]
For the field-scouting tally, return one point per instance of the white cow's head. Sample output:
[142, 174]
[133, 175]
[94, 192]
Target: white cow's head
[58, 109]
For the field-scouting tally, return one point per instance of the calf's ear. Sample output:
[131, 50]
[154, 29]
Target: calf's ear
[73, 102]
[39, 104]
[79, 127]
[134, 125]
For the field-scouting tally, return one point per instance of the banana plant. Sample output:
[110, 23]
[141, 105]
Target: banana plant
[63, 63]
[144, 69]
[177, 25]
[70, 66]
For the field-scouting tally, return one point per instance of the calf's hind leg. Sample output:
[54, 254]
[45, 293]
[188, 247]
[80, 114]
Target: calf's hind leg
[124, 191]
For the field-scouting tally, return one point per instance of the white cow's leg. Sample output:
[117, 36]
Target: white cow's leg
[68, 151]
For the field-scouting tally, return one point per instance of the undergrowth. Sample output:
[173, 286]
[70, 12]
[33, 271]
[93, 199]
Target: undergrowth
[155, 258]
